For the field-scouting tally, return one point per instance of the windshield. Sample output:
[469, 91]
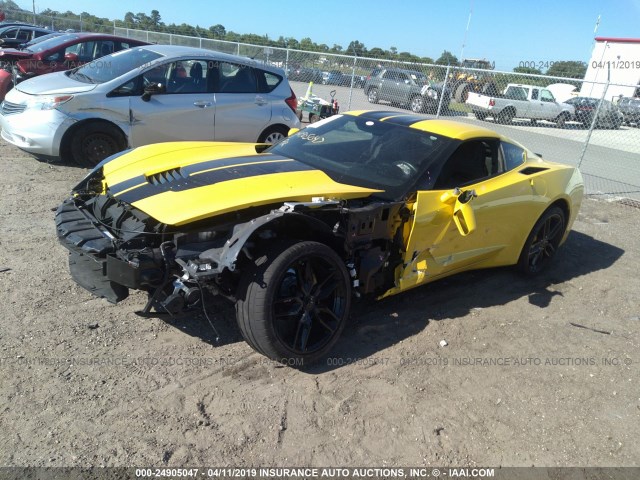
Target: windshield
[41, 39]
[113, 66]
[363, 151]
[53, 42]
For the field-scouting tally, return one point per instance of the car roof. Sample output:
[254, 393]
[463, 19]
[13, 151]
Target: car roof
[446, 128]
[182, 51]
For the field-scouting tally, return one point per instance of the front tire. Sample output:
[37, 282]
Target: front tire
[294, 301]
[543, 242]
[417, 104]
[94, 142]
[372, 96]
[562, 120]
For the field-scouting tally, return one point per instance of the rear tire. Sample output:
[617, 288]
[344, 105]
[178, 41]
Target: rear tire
[294, 301]
[506, 116]
[273, 134]
[543, 242]
[93, 142]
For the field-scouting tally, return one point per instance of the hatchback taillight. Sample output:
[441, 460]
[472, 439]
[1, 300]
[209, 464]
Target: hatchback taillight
[492, 103]
[292, 101]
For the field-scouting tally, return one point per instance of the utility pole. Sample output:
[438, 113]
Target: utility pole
[34, 12]
[464, 41]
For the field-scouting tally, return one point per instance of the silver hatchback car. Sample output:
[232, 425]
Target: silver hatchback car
[150, 94]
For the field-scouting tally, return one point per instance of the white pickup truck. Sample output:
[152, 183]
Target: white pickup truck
[520, 101]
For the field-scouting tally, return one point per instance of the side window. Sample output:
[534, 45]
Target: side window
[85, 51]
[534, 94]
[11, 33]
[472, 161]
[512, 156]
[546, 96]
[267, 81]
[23, 35]
[156, 74]
[516, 93]
[188, 76]
[234, 78]
[105, 47]
[390, 75]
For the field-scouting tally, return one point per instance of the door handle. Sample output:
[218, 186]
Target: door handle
[202, 103]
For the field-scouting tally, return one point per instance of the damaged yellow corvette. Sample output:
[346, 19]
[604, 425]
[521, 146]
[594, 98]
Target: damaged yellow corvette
[363, 203]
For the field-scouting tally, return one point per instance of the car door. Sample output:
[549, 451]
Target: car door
[185, 110]
[550, 108]
[242, 112]
[443, 239]
[536, 106]
[388, 85]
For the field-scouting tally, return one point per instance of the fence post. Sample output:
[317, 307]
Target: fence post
[238, 49]
[444, 86]
[286, 61]
[353, 78]
[593, 124]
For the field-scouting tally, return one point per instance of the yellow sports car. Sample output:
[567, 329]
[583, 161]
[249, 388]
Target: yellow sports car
[363, 203]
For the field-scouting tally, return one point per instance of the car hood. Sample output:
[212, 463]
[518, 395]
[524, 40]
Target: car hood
[54, 83]
[182, 182]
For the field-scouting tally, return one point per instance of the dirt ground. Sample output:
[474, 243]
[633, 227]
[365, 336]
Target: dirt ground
[86, 383]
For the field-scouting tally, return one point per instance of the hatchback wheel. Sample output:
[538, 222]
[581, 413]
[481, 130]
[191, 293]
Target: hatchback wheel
[273, 135]
[94, 142]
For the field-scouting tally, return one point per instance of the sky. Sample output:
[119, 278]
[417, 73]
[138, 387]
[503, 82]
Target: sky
[503, 31]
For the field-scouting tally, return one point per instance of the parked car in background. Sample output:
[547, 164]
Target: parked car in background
[630, 108]
[13, 36]
[609, 115]
[520, 101]
[307, 75]
[144, 95]
[408, 88]
[58, 53]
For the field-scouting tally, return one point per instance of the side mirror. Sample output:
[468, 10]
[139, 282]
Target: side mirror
[292, 131]
[71, 57]
[152, 89]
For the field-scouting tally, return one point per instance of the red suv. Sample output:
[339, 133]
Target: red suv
[56, 54]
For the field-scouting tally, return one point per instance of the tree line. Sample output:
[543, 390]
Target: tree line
[153, 22]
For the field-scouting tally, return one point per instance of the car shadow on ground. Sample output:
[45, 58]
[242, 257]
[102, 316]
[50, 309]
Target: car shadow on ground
[377, 325]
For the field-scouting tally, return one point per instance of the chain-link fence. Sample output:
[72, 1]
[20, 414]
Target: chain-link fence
[590, 124]
[595, 125]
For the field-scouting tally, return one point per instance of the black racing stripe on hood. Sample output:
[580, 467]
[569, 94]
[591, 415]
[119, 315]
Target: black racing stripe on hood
[215, 176]
[406, 120]
[397, 118]
[377, 115]
[195, 168]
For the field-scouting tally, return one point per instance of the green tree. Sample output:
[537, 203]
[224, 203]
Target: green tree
[356, 47]
[447, 58]
[527, 70]
[218, 31]
[569, 69]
